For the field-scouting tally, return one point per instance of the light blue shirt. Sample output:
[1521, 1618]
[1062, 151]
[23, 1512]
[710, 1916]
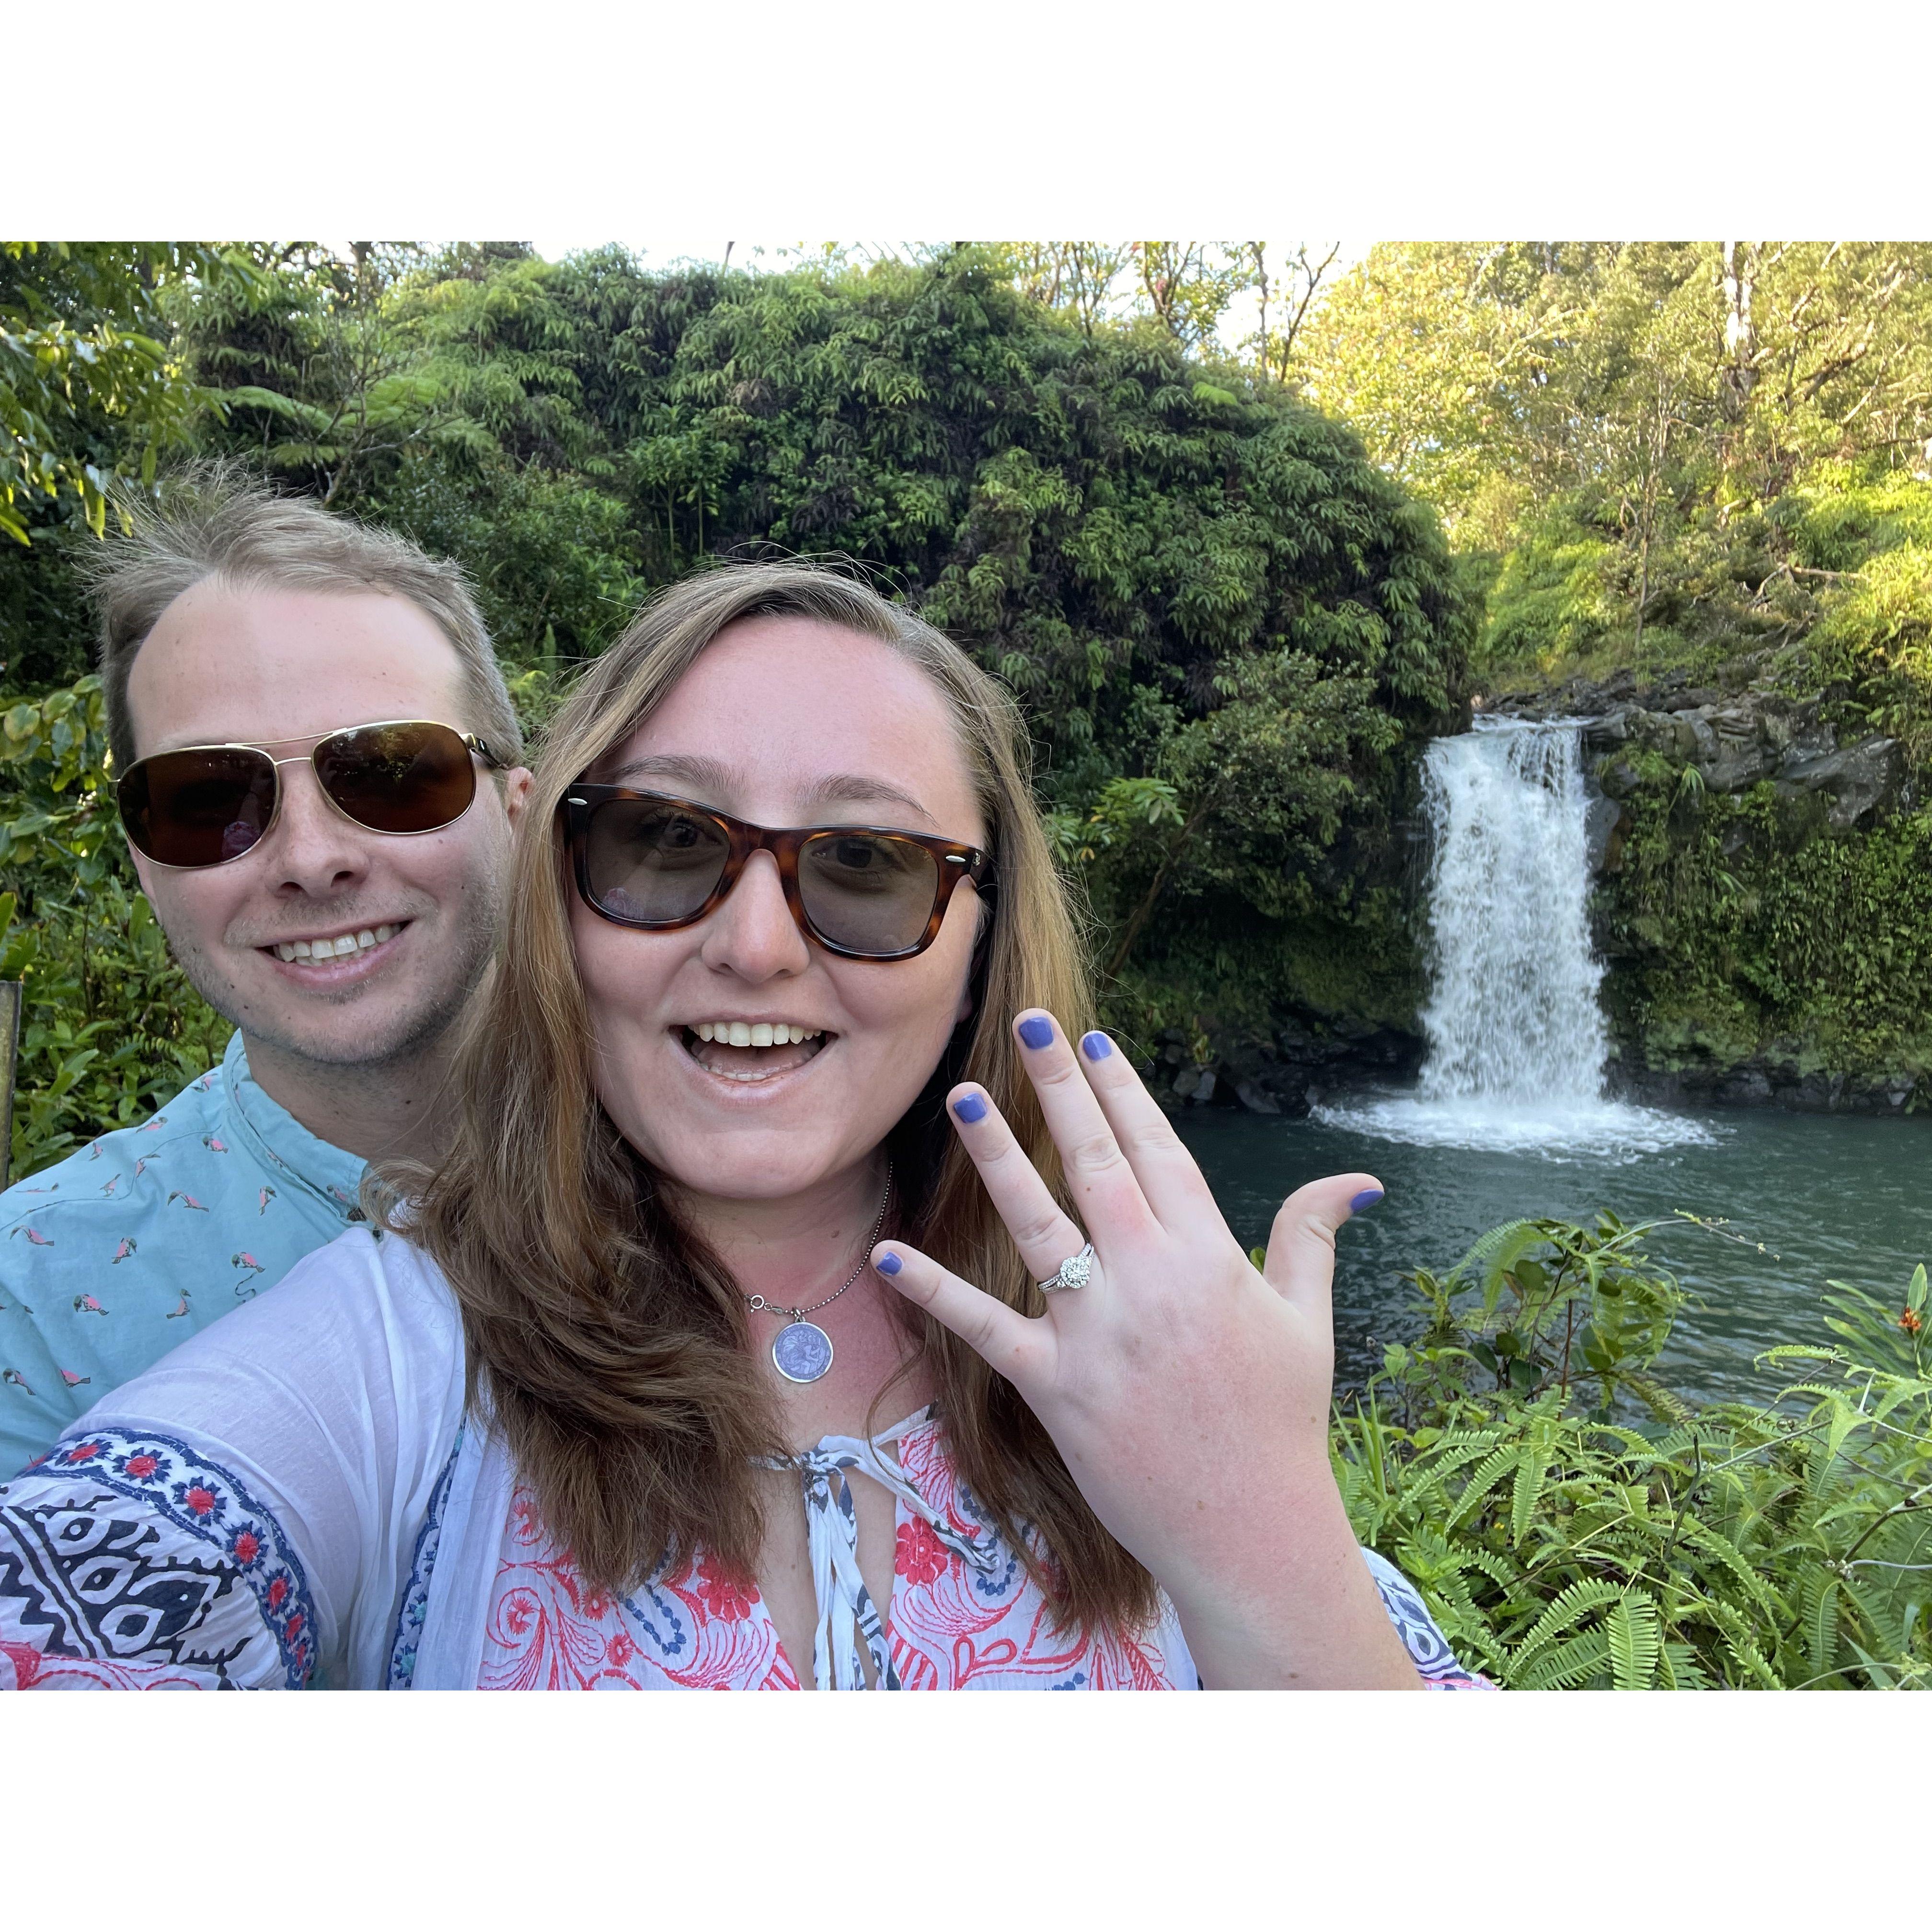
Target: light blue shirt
[123, 1250]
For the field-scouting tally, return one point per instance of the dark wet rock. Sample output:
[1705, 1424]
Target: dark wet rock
[1860, 780]
[1732, 742]
[1775, 1079]
[1310, 1054]
[1603, 824]
[1257, 1099]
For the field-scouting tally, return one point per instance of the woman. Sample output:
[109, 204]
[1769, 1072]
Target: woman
[749, 1159]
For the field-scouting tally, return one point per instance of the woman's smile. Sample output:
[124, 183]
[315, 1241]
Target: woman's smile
[753, 1052]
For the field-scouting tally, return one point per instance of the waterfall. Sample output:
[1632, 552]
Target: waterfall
[1517, 1043]
[1512, 1017]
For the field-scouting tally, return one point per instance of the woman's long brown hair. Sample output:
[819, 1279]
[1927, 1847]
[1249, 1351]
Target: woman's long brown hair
[611, 1348]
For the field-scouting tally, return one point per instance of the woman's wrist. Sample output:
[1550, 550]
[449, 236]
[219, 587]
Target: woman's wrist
[1288, 1602]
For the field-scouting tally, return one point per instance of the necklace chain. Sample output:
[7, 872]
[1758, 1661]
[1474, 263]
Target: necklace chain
[758, 1305]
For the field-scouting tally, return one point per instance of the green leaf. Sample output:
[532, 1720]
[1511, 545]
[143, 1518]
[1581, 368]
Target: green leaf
[1634, 1642]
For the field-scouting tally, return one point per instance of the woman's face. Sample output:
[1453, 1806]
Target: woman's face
[785, 721]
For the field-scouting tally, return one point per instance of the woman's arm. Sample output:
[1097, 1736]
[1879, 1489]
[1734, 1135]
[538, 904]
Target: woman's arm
[238, 1515]
[1189, 1393]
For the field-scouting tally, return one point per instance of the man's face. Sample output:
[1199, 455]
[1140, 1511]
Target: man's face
[280, 668]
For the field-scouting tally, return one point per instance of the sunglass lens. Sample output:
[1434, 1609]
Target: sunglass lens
[867, 891]
[653, 861]
[398, 778]
[192, 809]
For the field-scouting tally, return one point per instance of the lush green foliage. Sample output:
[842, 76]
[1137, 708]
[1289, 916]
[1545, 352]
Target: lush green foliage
[1657, 440]
[110, 1028]
[1574, 1524]
[1202, 591]
[1744, 927]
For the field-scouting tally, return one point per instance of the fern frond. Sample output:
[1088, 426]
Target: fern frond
[1634, 1641]
[1571, 1605]
[1567, 1666]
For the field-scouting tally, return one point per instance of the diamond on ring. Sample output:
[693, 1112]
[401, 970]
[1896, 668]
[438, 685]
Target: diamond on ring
[1074, 1272]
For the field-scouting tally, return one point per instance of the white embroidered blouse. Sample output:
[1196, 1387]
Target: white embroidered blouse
[294, 1498]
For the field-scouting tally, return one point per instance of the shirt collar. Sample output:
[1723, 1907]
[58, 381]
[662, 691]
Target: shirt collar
[332, 1174]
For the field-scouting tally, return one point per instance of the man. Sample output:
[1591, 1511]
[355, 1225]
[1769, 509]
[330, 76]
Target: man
[338, 908]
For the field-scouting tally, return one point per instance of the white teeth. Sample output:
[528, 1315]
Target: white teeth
[344, 943]
[754, 1032]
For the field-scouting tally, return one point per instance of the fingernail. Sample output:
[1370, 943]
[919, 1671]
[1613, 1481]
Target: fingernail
[1367, 1198]
[889, 1264]
[972, 1107]
[1036, 1033]
[1095, 1046]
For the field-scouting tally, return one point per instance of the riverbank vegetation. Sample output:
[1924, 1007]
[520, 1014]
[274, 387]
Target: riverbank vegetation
[1575, 1524]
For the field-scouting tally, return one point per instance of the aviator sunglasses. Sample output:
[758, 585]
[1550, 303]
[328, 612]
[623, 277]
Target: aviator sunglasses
[207, 804]
[657, 863]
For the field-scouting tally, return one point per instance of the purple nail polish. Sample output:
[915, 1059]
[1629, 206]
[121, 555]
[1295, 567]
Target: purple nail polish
[1367, 1198]
[889, 1265]
[1095, 1046]
[971, 1108]
[1037, 1032]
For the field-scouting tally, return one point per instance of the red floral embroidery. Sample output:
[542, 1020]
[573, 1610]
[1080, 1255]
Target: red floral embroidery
[200, 1500]
[620, 1650]
[278, 1591]
[248, 1547]
[921, 1557]
[141, 1467]
[725, 1596]
[82, 1452]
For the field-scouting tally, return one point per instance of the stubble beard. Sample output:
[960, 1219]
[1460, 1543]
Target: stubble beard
[349, 1046]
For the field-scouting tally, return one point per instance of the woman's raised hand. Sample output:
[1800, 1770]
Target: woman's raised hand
[1189, 1393]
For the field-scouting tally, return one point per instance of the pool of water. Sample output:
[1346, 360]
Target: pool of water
[1825, 1197]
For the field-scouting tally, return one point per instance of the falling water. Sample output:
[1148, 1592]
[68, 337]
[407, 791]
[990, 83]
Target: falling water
[1517, 1043]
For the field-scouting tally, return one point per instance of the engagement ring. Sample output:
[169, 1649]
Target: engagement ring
[1072, 1272]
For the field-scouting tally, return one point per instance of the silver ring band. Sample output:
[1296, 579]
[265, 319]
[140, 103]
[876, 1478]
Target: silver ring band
[1073, 1272]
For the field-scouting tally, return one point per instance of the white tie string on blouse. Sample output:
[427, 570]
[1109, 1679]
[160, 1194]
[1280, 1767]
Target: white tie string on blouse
[846, 1610]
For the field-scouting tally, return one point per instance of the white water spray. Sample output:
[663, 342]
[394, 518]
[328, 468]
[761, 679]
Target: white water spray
[1517, 1043]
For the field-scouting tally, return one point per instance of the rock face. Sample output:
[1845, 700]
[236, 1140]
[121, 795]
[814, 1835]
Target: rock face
[1775, 1080]
[1731, 742]
[1310, 1057]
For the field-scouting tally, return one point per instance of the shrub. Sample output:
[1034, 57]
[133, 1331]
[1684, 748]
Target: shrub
[1574, 1524]
[110, 1027]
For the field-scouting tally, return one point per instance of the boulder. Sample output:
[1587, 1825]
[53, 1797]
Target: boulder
[1858, 780]
[1732, 750]
[1257, 1099]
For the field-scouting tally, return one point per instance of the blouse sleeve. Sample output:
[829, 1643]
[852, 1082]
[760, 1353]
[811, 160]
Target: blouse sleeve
[1435, 1664]
[242, 1515]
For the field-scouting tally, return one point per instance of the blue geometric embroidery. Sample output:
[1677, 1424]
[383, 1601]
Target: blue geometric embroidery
[415, 1594]
[209, 1503]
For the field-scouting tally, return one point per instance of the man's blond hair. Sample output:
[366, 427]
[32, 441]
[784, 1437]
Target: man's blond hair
[214, 520]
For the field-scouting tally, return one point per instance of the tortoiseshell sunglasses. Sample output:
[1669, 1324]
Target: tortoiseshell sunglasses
[643, 860]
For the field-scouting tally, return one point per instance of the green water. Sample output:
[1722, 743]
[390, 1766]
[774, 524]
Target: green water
[1832, 1197]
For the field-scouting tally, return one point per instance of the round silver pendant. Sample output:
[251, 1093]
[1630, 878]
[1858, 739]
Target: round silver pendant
[802, 1351]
